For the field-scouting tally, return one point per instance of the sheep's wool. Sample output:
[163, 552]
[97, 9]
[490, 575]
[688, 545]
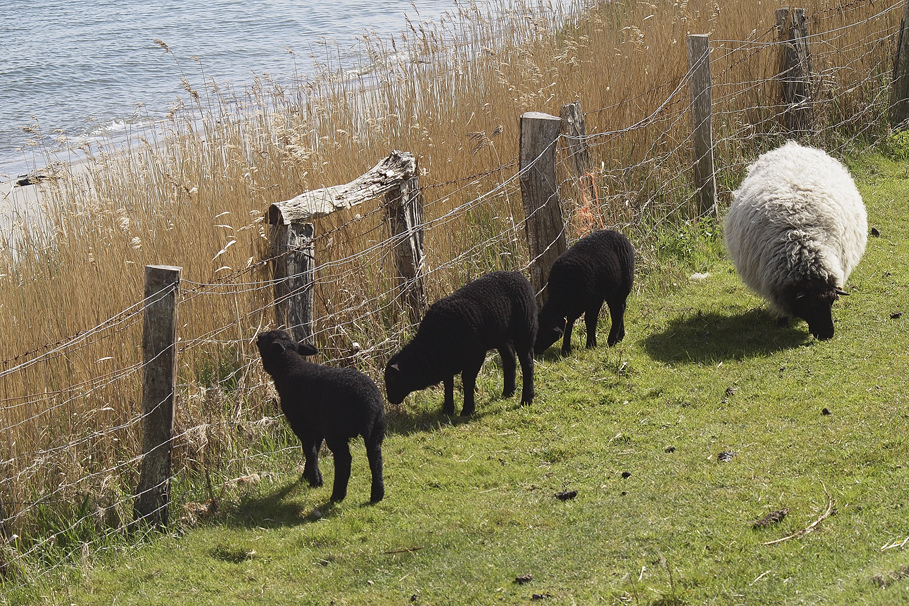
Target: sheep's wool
[796, 216]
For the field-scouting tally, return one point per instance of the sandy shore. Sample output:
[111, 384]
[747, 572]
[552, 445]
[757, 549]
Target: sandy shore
[19, 203]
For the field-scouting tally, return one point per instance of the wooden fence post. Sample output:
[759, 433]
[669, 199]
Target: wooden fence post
[899, 93]
[404, 212]
[159, 355]
[575, 131]
[293, 268]
[395, 178]
[702, 122]
[795, 69]
[540, 195]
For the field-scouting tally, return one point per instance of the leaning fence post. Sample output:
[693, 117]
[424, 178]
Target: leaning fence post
[795, 68]
[404, 211]
[540, 194]
[899, 93]
[293, 269]
[702, 122]
[575, 132]
[159, 355]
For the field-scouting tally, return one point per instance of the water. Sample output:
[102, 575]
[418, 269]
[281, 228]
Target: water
[83, 69]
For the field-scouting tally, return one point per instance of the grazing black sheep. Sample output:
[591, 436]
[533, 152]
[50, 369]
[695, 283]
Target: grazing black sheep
[598, 267]
[497, 311]
[336, 404]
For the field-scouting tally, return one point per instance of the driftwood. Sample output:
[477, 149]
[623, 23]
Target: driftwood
[379, 180]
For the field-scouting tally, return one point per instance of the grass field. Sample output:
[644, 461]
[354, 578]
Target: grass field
[705, 419]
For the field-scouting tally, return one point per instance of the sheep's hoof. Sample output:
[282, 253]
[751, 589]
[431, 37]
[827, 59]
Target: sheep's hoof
[467, 412]
[314, 482]
[377, 495]
[509, 392]
[338, 498]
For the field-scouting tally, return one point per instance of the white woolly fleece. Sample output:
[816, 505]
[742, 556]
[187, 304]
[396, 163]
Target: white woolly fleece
[797, 215]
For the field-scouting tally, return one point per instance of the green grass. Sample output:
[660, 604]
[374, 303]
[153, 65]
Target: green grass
[636, 430]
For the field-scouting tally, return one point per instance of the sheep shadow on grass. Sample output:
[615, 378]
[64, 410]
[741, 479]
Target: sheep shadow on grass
[405, 420]
[279, 509]
[710, 337]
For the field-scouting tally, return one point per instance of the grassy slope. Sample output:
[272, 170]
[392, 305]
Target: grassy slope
[704, 369]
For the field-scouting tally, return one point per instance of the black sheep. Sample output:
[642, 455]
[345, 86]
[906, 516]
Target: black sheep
[497, 311]
[598, 267]
[336, 404]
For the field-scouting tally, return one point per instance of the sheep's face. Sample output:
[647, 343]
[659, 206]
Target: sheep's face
[813, 304]
[397, 382]
[273, 343]
[550, 330]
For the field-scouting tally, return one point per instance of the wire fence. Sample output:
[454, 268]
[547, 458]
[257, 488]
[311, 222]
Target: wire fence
[70, 452]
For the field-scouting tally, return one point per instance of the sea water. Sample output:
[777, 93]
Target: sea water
[74, 70]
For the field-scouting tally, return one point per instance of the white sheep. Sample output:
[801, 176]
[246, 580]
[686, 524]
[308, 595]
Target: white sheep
[796, 229]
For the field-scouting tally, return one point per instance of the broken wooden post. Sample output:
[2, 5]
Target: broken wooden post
[395, 178]
[702, 122]
[159, 354]
[795, 69]
[293, 268]
[575, 132]
[540, 195]
[899, 93]
[404, 213]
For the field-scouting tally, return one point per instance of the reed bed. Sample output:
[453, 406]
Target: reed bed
[192, 192]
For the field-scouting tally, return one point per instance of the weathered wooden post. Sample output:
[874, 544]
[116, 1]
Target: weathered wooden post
[394, 177]
[404, 212]
[293, 268]
[540, 195]
[899, 93]
[795, 68]
[159, 354]
[702, 122]
[575, 131]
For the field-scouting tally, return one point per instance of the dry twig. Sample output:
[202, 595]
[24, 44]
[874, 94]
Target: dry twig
[831, 509]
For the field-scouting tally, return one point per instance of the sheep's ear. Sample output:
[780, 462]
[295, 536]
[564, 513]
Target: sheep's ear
[305, 349]
[394, 368]
[841, 292]
[277, 348]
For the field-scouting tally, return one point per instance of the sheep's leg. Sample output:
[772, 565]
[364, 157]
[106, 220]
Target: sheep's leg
[566, 340]
[469, 380]
[590, 319]
[448, 405]
[509, 367]
[374, 456]
[341, 451]
[311, 471]
[526, 358]
[617, 332]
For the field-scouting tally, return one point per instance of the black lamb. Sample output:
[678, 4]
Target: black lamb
[497, 311]
[336, 404]
[598, 267]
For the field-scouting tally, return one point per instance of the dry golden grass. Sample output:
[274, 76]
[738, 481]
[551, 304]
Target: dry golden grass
[192, 193]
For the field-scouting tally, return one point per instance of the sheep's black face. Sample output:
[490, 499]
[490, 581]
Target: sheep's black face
[815, 307]
[550, 330]
[275, 342]
[397, 386]
[546, 337]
